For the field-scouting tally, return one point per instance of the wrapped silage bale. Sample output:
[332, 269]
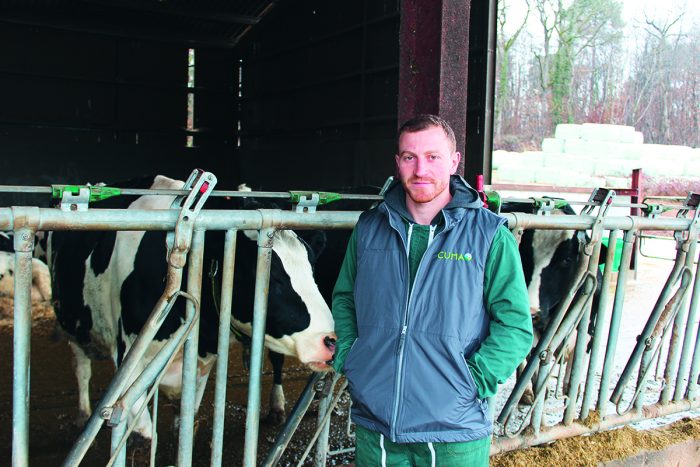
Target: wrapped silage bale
[516, 174]
[567, 131]
[692, 167]
[617, 182]
[671, 155]
[661, 168]
[631, 151]
[581, 164]
[502, 158]
[593, 149]
[533, 159]
[615, 167]
[552, 145]
[607, 133]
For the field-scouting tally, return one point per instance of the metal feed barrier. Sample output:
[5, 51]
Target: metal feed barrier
[187, 223]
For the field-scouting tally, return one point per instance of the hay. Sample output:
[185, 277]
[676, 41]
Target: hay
[41, 311]
[601, 447]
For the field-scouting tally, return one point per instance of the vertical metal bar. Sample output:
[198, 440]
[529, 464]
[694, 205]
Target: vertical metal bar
[642, 378]
[601, 320]
[677, 336]
[190, 353]
[324, 406]
[538, 409]
[687, 341]
[154, 430]
[223, 347]
[614, 332]
[262, 285]
[118, 432]
[23, 244]
[577, 362]
[692, 391]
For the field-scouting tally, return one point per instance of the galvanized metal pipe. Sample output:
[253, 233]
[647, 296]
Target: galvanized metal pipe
[324, 406]
[217, 443]
[117, 446]
[210, 219]
[684, 364]
[601, 320]
[615, 319]
[262, 286]
[23, 245]
[692, 391]
[641, 347]
[577, 362]
[499, 445]
[673, 358]
[190, 353]
[165, 220]
[539, 402]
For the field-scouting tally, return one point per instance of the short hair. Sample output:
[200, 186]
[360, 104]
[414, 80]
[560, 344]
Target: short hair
[425, 121]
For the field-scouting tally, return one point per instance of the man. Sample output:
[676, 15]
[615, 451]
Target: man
[431, 311]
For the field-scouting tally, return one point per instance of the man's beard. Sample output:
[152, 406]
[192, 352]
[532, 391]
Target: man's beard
[425, 194]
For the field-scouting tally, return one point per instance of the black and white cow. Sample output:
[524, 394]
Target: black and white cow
[41, 281]
[107, 283]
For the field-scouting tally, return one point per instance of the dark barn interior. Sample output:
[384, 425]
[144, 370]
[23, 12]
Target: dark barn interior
[284, 94]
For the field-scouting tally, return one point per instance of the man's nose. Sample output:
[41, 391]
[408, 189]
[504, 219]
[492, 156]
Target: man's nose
[420, 168]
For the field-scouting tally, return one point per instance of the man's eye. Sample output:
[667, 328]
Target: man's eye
[434, 156]
[407, 158]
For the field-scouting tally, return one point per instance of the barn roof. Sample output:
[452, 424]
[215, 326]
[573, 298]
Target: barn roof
[217, 23]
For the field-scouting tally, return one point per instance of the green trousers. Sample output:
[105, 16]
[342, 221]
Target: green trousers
[373, 449]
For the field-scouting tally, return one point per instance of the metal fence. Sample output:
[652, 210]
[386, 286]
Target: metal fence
[675, 312]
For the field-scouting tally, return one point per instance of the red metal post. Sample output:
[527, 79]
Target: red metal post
[433, 59]
[636, 196]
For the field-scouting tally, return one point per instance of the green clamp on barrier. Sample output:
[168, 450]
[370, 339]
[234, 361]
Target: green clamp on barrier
[97, 193]
[493, 201]
[323, 196]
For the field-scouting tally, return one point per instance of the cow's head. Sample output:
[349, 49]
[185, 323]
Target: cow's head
[299, 321]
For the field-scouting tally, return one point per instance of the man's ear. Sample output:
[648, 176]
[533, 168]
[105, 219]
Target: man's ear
[456, 157]
[396, 159]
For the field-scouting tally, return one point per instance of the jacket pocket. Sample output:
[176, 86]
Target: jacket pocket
[470, 378]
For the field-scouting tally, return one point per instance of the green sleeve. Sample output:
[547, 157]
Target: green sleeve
[510, 330]
[343, 307]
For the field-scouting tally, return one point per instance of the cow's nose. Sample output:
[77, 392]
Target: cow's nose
[329, 342]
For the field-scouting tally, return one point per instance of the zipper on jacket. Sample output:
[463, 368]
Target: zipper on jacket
[404, 328]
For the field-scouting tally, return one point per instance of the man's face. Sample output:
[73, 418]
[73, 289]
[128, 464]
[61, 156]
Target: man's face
[425, 161]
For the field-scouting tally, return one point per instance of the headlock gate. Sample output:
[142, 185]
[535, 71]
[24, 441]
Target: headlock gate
[590, 386]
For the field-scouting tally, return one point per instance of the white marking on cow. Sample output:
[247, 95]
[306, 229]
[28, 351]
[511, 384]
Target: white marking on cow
[83, 372]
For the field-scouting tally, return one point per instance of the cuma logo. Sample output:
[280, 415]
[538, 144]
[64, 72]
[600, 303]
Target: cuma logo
[454, 256]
